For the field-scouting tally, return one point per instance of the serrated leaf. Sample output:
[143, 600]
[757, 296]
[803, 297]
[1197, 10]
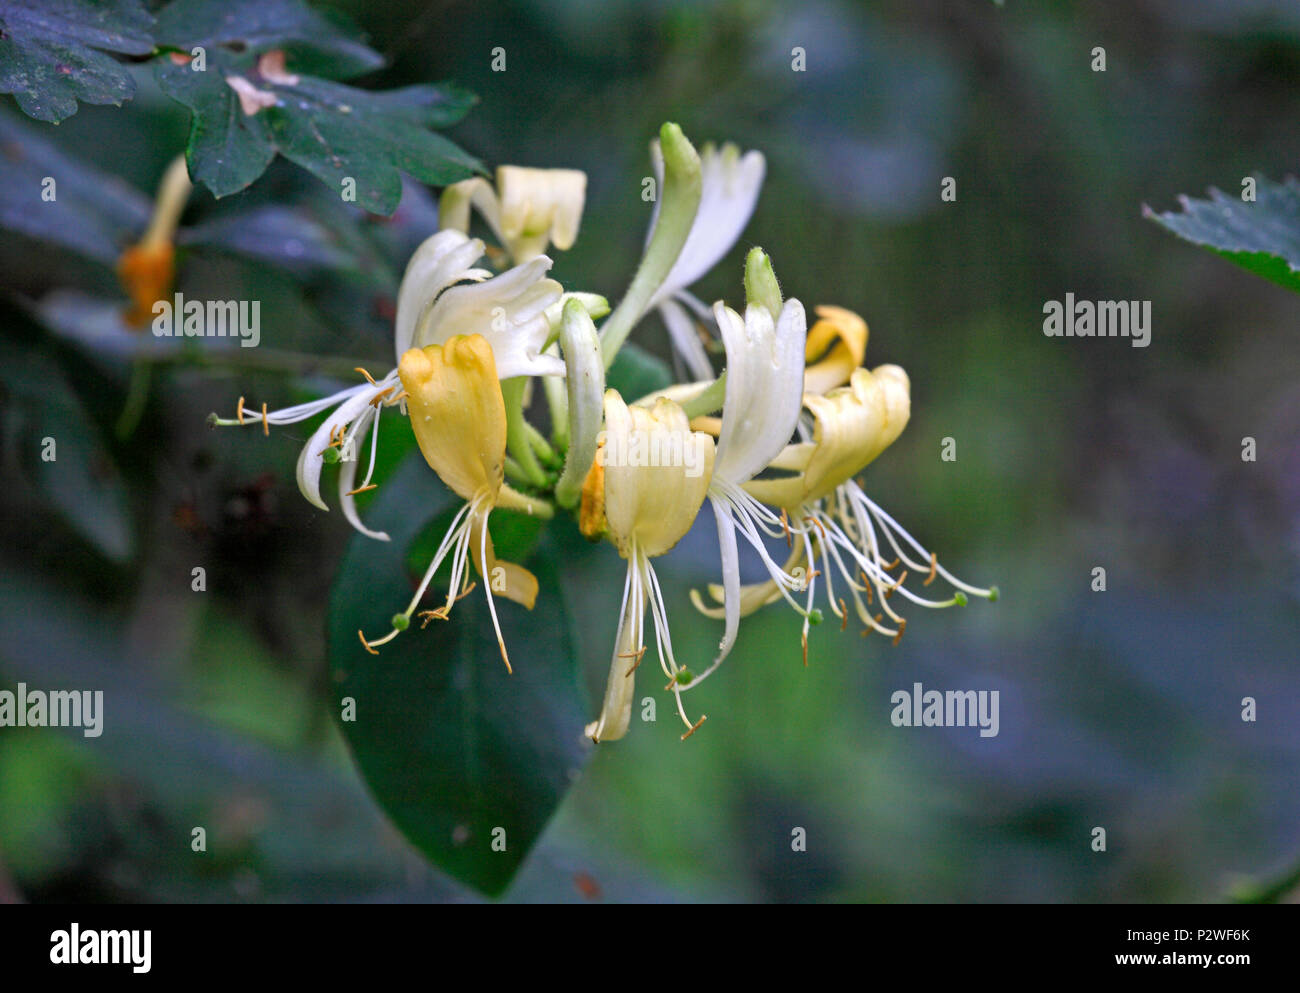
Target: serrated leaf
[452, 746]
[53, 52]
[316, 44]
[92, 213]
[1262, 237]
[341, 134]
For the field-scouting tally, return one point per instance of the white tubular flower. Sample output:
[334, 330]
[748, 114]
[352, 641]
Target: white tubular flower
[764, 394]
[834, 517]
[729, 192]
[529, 209]
[646, 505]
[508, 310]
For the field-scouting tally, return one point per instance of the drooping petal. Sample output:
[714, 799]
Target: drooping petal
[347, 482]
[682, 331]
[620, 687]
[753, 596]
[507, 579]
[836, 346]
[730, 556]
[312, 457]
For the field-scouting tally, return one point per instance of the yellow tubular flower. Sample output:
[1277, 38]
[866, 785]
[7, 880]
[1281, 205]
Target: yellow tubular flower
[836, 346]
[656, 473]
[458, 414]
[851, 426]
[147, 269]
[459, 418]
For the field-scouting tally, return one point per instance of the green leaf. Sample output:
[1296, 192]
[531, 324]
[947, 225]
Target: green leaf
[297, 240]
[93, 213]
[52, 52]
[315, 43]
[452, 746]
[1263, 236]
[343, 135]
[635, 372]
[80, 481]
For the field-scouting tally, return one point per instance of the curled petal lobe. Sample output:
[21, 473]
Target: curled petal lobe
[836, 346]
[851, 426]
[506, 579]
[508, 310]
[540, 206]
[441, 261]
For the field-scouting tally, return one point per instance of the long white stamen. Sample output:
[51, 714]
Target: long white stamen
[374, 450]
[487, 585]
[889, 525]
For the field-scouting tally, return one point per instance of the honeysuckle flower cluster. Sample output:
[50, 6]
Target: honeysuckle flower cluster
[774, 443]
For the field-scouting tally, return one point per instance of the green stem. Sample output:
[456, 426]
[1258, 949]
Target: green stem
[137, 398]
[540, 445]
[517, 440]
[514, 472]
[678, 204]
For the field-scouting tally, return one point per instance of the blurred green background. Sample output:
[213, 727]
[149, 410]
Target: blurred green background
[1119, 709]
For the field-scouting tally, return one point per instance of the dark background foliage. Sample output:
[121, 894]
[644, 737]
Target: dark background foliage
[1120, 709]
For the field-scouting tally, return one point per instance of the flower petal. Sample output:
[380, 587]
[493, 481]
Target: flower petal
[347, 482]
[458, 413]
[764, 390]
[730, 187]
[508, 310]
[539, 206]
[682, 331]
[312, 456]
[836, 346]
[657, 472]
[442, 260]
[506, 579]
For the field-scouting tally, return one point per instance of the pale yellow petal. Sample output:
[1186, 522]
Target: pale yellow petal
[458, 414]
[657, 473]
[836, 346]
[507, 579]
[851, 426]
